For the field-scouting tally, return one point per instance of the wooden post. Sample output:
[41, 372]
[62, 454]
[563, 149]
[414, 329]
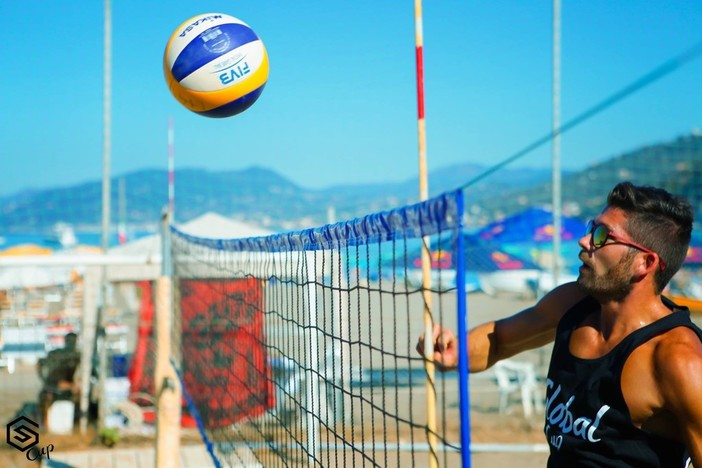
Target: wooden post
[426, 243]
[167, 384]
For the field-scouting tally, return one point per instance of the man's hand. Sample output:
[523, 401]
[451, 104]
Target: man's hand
[445, 348]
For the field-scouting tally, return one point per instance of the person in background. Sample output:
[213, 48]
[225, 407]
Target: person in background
[58, 372]
[624, 385]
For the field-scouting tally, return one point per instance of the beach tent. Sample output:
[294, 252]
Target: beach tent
[479, 255]
[497, 270]
[209, 225]
[532, 225]
[487, 266]
[529, 234]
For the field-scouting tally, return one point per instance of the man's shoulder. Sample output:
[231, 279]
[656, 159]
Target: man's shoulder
[61, 354]
[677, 364]
[677, 355]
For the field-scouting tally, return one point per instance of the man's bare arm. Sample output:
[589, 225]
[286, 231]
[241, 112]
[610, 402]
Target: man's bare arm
[497, 340]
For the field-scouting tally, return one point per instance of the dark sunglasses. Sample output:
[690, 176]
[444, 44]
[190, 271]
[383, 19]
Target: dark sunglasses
[599, 233]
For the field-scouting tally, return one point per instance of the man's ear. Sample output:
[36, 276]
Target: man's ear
[648, 263]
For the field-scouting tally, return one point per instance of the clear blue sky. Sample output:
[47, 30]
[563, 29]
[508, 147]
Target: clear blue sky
[340, 103]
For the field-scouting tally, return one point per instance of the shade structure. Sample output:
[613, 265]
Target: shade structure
[480, 256]
[25, 249]
[531, 225]
[32, 276]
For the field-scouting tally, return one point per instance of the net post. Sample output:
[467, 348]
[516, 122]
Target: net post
[462, 310]
[166, 382]
[312, 387]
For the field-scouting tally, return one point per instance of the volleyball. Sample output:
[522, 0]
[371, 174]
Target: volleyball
[215, 65]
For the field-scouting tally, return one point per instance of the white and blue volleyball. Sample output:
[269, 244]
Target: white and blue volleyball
[215, 65]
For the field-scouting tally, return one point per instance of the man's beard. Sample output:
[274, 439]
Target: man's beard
[614, 285]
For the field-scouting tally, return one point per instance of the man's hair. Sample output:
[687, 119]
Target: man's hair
[657, 220]
[71, 339]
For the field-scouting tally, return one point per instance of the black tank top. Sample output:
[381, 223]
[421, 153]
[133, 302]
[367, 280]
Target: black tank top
[587, 420]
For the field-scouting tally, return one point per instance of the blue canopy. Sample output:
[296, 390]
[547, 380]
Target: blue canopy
[531, 225]
[479, 256]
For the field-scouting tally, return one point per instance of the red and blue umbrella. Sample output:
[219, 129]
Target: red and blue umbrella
[694, 252]
[479, 256]
[532, 225]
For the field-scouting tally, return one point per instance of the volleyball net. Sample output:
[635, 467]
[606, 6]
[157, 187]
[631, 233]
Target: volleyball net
[299, 348]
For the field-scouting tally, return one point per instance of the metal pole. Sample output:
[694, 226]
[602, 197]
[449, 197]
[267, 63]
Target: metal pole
[556, 142]
[122, 212]
[106, 141]
[426, 257]
[106, 193]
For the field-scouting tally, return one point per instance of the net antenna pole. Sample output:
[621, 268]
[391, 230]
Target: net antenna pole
[426, 244]
[171, 172]
[556, 141]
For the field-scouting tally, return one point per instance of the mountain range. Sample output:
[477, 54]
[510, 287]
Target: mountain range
[267, 198]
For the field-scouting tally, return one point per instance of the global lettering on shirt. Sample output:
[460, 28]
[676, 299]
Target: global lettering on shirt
[561, 421]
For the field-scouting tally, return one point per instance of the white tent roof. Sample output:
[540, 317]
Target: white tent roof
[215, 226]
[209, 225]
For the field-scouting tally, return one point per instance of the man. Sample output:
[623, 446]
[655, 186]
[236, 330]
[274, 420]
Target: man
[624, 386]
[58, 372]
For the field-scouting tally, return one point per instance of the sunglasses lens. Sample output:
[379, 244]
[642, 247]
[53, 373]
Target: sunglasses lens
[599, 236]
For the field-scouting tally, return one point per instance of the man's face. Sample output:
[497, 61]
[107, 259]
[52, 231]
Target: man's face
[606, 271]
[612, 284]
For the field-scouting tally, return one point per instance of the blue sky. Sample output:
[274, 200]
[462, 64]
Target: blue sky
[340, 103]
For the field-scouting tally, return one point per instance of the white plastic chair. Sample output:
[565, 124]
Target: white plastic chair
[518, 377]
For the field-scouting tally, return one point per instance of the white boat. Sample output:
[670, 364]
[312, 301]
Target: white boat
[63, 235]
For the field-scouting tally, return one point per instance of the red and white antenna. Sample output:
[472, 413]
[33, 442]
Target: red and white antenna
[171, 175]
[426, 249]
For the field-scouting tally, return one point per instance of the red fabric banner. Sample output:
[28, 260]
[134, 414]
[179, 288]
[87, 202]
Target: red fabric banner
[225, 370]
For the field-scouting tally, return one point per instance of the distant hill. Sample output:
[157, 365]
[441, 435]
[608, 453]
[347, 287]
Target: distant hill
[265, 197]
[675, 166]
[256, 194]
